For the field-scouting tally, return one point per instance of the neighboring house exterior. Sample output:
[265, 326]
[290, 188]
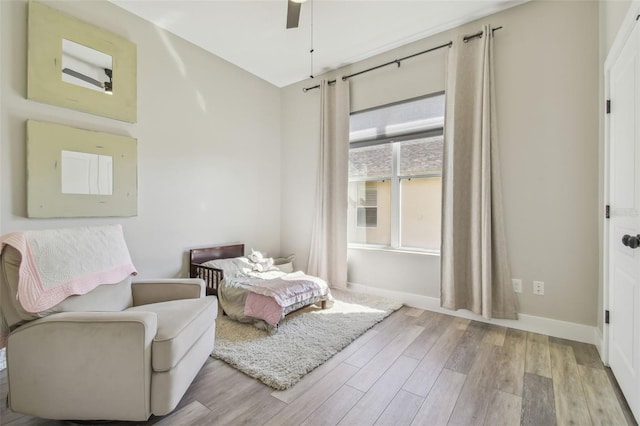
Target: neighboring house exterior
[419, 171]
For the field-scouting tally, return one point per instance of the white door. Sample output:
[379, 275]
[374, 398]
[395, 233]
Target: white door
[624, 222]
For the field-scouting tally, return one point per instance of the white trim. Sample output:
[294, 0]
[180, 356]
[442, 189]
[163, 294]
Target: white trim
[599, 342]
[625, 31]
[396, 239]
[551, 327]
[371, 247]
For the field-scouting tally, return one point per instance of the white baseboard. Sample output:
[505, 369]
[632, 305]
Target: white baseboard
[600, 346]
[548, 326]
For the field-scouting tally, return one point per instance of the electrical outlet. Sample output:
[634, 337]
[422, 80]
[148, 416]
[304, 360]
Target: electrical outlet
[538, 288]
[517, 285]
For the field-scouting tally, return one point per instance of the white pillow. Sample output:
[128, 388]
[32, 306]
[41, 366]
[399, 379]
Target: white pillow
[285, 264]
[285, 267]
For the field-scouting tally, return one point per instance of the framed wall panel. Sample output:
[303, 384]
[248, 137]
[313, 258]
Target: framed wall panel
[74, 64]
[73, 172]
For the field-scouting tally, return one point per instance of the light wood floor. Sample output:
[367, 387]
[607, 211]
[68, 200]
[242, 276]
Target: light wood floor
[415, 367]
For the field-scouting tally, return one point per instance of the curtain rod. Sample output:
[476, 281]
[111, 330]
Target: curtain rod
[398, 61]
[479, 34]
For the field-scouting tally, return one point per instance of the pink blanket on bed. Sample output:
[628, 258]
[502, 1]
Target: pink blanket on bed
[263, 307]
[268, 299]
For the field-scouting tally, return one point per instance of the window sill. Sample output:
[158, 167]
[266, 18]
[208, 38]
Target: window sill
[393, 250]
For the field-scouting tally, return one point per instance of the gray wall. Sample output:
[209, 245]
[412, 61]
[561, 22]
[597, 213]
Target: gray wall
[208, 142]
[547, 69]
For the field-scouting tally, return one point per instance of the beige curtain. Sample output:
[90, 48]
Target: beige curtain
[475, 271]
[328, 253]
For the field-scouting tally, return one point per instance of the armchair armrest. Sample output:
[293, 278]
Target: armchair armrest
[155, 291]
[70, 356]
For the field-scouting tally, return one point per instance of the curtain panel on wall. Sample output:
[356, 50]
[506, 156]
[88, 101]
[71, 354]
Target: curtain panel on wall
[475, 271]
[328, 253]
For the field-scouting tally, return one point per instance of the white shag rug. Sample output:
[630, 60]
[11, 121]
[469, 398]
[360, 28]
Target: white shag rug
[304, 340]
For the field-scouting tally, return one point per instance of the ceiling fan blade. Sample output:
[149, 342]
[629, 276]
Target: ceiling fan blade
[83, 77]
[293, 14]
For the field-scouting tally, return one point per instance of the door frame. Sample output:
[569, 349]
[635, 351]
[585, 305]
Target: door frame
[622, 36]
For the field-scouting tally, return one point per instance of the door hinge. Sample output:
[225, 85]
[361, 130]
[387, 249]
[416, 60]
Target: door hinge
[606, 316]
[608, 108]
[607, 213]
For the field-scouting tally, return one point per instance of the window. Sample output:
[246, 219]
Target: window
[367, 205]
[395, 175]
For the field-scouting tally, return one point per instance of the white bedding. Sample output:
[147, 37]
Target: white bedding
[264, 297]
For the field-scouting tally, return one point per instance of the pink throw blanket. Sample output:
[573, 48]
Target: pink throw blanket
[59, 263]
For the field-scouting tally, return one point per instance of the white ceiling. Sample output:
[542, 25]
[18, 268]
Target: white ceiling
[251, 33]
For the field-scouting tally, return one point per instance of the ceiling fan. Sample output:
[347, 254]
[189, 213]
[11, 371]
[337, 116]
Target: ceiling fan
[107, 85]
[293, 13]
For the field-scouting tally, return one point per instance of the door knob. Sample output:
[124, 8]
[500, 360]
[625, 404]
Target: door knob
[631, 241]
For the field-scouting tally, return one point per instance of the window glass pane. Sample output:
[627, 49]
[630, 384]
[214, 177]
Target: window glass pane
[420, 212]
[369, 213]
[367, 217]
[370, 162]
[421, 156]
[367, 195]
[398, 119]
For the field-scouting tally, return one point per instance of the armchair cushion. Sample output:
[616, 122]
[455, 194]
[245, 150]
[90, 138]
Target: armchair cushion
[104, 298]
[155, 291]
[180, 324]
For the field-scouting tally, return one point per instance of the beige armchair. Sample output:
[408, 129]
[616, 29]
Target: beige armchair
[120, 352]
